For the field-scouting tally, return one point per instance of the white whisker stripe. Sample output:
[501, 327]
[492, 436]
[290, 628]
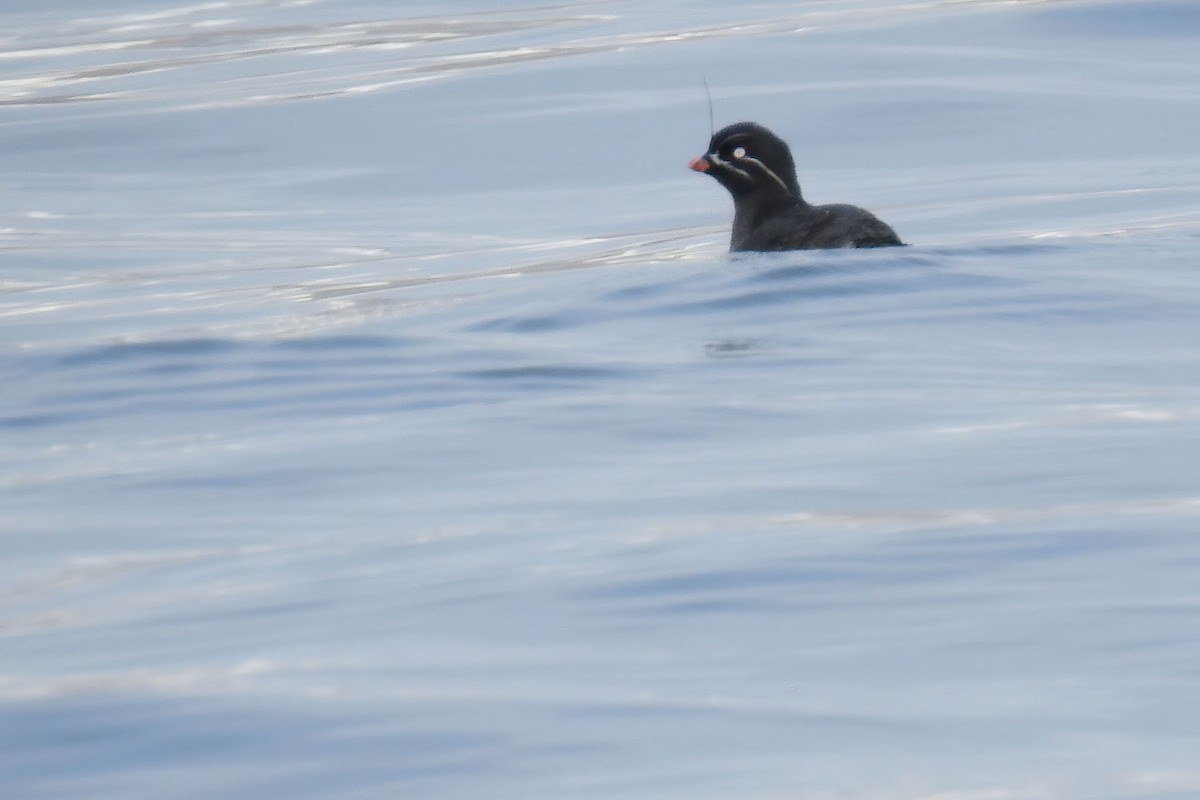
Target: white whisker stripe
[767, 170]
[720, 162]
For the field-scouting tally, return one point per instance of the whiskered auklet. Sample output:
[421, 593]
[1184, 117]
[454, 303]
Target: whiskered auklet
[769, 212]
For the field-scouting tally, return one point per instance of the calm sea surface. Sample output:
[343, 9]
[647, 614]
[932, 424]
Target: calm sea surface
[382, 415]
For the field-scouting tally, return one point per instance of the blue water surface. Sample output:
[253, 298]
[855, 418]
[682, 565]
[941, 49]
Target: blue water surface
[385, 418]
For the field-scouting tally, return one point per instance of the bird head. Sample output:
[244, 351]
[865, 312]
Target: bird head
[747, 159]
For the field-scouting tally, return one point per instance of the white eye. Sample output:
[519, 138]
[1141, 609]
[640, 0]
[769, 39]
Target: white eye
[739, 152]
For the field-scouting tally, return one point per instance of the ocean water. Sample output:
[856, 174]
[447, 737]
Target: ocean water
[383, 416]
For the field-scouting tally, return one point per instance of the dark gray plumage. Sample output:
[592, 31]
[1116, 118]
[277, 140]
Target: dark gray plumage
[756, 167]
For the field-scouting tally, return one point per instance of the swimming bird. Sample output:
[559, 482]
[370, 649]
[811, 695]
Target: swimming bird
[769, 213]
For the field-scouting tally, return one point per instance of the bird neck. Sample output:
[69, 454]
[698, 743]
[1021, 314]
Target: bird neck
[750, 211]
